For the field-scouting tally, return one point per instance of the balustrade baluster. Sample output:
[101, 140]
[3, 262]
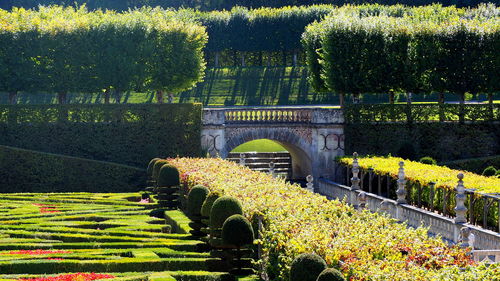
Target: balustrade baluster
[431, 194]
[485, 212]
[370, 179]
[379, 185]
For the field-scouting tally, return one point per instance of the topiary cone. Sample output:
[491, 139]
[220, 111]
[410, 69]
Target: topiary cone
[330, 274]
[196, 198]
[168, 176]
[223, 208]
[156, 168]
[307, 267]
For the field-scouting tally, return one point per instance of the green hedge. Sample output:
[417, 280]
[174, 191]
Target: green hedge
[368, 113]
[476, 165]
[441, 141]
[419, 50]
[61, 50]
[30, 171]
[125, 134]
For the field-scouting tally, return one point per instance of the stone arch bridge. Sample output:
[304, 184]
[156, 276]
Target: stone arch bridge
[314, 135]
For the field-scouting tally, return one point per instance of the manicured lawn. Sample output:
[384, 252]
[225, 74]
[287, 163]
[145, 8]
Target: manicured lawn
[262, 145]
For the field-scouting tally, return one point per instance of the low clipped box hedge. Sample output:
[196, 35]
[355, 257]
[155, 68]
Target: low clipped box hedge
[31, 171]
[296, 222]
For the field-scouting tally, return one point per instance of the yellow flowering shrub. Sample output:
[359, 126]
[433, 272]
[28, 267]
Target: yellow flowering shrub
[444, 177]
[363, 245]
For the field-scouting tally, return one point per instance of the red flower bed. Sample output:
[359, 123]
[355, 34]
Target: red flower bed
[36, 252]
[73, 277]
[47, 208]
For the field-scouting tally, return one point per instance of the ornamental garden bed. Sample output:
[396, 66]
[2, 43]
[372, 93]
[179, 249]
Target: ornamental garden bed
[87, 236]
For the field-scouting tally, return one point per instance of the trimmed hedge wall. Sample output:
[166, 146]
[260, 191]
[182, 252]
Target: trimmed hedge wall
[31, 171]
[129, 134]
[441, 141]
[476, 165]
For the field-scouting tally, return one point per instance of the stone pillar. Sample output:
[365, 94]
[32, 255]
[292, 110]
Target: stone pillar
[362, 200]
[464, 235]
[460, 209]
[354, 180]
[401, 191]
[242, 159]
[271, 168]
[310, 184]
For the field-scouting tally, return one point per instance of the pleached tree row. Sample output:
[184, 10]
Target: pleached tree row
[61, 50]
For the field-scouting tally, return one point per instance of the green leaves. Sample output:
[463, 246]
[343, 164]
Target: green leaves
[58, 49]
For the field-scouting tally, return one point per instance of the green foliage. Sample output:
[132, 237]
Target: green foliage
[73, 50]
[441, 141]
[168, 176]
[237, 231]
[475, 165]
[31, 171]
[150, 166]
[208, 203]
[196, 198]
[223, 208]
[428, 160]
[370, 49]
[489, 171]
[330, 274]
[367, 113]
[407, 151]
[307, 267]
[125, 134]
[156, 168]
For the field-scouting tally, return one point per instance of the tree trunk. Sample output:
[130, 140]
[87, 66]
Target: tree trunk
[391, 97]
[342, 99]
[216, 59]
[295, 58]
[284, 58]
[12, 97]
[106, 96]
[269, 60]
[235, 58]
[159, 96]
[242, 59]
[62, 98]
[355, 98]
[461, 113]
[441, 98]
[260, 58]
[409, 97]
[490, 98]
[461, 97]
[118, 96]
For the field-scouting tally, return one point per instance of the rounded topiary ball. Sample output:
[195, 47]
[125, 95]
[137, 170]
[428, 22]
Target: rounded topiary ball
[208, 203]
[330, 274]
[428, 160]
[489, 171]
[307, 267]
[151, 166]
[196, 197]
[237, 231]
[222, 209]
[168, 176]
[157, 166]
